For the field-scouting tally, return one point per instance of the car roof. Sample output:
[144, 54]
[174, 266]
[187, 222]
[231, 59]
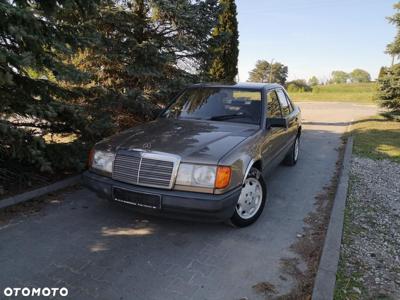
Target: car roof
[240, 85]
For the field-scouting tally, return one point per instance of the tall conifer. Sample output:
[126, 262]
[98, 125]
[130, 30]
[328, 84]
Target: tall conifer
[224, 50]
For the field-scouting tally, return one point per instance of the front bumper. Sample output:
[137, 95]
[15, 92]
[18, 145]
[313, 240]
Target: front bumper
[176, 204]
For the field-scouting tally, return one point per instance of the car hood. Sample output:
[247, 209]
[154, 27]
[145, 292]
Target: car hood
[192, 140]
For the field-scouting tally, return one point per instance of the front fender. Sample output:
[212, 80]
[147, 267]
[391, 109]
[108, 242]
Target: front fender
[241, 159]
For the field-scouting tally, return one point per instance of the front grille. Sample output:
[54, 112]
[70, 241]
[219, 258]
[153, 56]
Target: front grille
[144, 168]
[126, 168]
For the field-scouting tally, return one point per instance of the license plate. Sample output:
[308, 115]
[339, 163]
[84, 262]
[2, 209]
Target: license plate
[137, 199]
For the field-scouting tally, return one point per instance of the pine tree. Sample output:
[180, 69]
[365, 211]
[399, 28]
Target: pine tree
[382, 72]
[150, 49]
[35, 39]
[224, 49]
[86, 68]
[389, 89]
[394, 48]
[389, 78]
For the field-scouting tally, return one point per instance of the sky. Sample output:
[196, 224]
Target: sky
[315, 37]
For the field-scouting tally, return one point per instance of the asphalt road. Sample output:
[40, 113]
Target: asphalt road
[101, 251]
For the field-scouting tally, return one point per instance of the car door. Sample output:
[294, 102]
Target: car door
[274, 138]
[294, 117]
[291, 118]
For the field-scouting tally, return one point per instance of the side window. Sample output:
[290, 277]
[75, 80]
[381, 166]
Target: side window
[273, 107]
[286, 108]
[289, 101]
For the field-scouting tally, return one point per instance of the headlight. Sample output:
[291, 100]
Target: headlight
[102, 161]
[196, 175]
[203, 176]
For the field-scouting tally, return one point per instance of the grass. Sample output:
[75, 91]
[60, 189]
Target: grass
[377, 138]
[355, 92]
[345, 285]
[346, 281]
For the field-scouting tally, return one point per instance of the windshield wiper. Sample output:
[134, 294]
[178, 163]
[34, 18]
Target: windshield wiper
[226, 117]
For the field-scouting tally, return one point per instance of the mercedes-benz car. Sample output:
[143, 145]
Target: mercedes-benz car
[205, 157]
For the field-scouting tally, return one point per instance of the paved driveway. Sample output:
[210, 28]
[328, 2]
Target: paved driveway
[100, 251]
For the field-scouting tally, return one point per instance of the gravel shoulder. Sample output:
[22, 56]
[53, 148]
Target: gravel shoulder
[369, 266]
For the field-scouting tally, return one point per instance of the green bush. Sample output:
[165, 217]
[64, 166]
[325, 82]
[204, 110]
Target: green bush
[298, 86]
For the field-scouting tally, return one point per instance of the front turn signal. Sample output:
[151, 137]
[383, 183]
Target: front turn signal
[223, 177]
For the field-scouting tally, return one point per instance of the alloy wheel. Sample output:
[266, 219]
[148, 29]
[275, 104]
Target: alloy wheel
[250, 198]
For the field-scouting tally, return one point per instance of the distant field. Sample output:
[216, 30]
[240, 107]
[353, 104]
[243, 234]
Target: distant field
[355, 92]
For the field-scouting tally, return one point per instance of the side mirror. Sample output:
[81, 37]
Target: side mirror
[277, 122]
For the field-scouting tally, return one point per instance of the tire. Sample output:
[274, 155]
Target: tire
[293, 155]
[253, 196]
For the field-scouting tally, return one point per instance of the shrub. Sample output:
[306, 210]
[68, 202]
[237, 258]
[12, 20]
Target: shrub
[298, 86]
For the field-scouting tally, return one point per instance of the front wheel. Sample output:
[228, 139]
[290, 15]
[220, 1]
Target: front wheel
[251, 201]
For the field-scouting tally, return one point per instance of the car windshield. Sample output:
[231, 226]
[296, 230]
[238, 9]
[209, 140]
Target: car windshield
[217, 104]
